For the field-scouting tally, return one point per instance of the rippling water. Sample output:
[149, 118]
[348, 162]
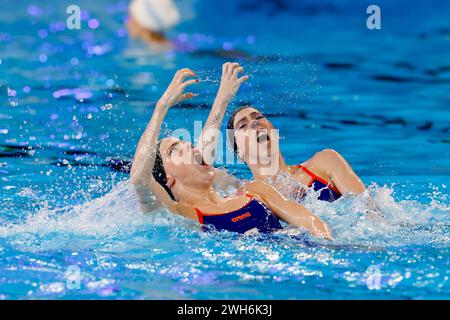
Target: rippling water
[74, 103]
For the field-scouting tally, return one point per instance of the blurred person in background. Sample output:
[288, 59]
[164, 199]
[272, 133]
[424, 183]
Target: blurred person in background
[150, 18]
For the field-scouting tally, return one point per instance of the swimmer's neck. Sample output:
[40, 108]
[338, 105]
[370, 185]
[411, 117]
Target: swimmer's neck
[262, 172]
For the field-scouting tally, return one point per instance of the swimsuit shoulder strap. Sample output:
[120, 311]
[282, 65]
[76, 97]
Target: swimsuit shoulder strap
[249, 196]
[306, 170]
[309, 173]
[199, 215]
[315, 177]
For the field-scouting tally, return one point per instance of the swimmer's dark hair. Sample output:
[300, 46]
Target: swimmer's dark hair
[159, 173]
[230, 129]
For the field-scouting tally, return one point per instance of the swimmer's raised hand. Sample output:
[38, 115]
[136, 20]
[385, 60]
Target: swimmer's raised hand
[230, 83]
[175, 92]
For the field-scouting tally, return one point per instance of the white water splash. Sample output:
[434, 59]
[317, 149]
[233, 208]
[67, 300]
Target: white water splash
[117, 214]
[354, 220]
[114, 213]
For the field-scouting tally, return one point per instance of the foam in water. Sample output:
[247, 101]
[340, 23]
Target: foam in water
[113, 213]
[117, 214]
[354, 220]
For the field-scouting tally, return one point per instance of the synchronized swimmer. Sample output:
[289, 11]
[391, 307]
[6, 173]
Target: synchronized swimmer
[162, 176]
[327, 171]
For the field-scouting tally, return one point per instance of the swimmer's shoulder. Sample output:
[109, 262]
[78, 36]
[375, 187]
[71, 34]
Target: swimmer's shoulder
[185, 210]
[258, 189]
[229, 204]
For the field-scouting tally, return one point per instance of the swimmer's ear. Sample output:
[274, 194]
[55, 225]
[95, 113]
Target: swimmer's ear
[170, 181]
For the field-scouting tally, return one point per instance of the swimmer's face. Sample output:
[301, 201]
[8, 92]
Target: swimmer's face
[183, 163]
[255, 137]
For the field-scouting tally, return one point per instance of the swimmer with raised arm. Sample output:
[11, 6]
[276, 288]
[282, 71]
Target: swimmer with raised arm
[252, 138]
[173, 173]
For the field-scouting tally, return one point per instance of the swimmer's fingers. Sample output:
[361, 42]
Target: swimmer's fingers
[228, 68]
[231, 68]
[188, 95]
[186, 74]
[182, 74]
[184, 70]
[237, 70]
[225, 68]
[243, 79]
[189, 82]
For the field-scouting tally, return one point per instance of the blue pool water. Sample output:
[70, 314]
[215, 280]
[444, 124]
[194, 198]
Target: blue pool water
[74, 102]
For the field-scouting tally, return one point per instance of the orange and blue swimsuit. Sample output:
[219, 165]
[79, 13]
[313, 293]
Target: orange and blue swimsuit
[327, 191]
[253, 215]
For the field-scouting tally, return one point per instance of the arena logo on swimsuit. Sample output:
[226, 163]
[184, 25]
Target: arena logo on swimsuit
[241, 217]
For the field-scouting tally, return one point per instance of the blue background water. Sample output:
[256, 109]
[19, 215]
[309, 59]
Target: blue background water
[72, 100]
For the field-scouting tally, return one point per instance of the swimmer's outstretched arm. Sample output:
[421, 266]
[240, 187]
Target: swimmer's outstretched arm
[289, 211]
[150, 194]
[333, 165]
[229, 85]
